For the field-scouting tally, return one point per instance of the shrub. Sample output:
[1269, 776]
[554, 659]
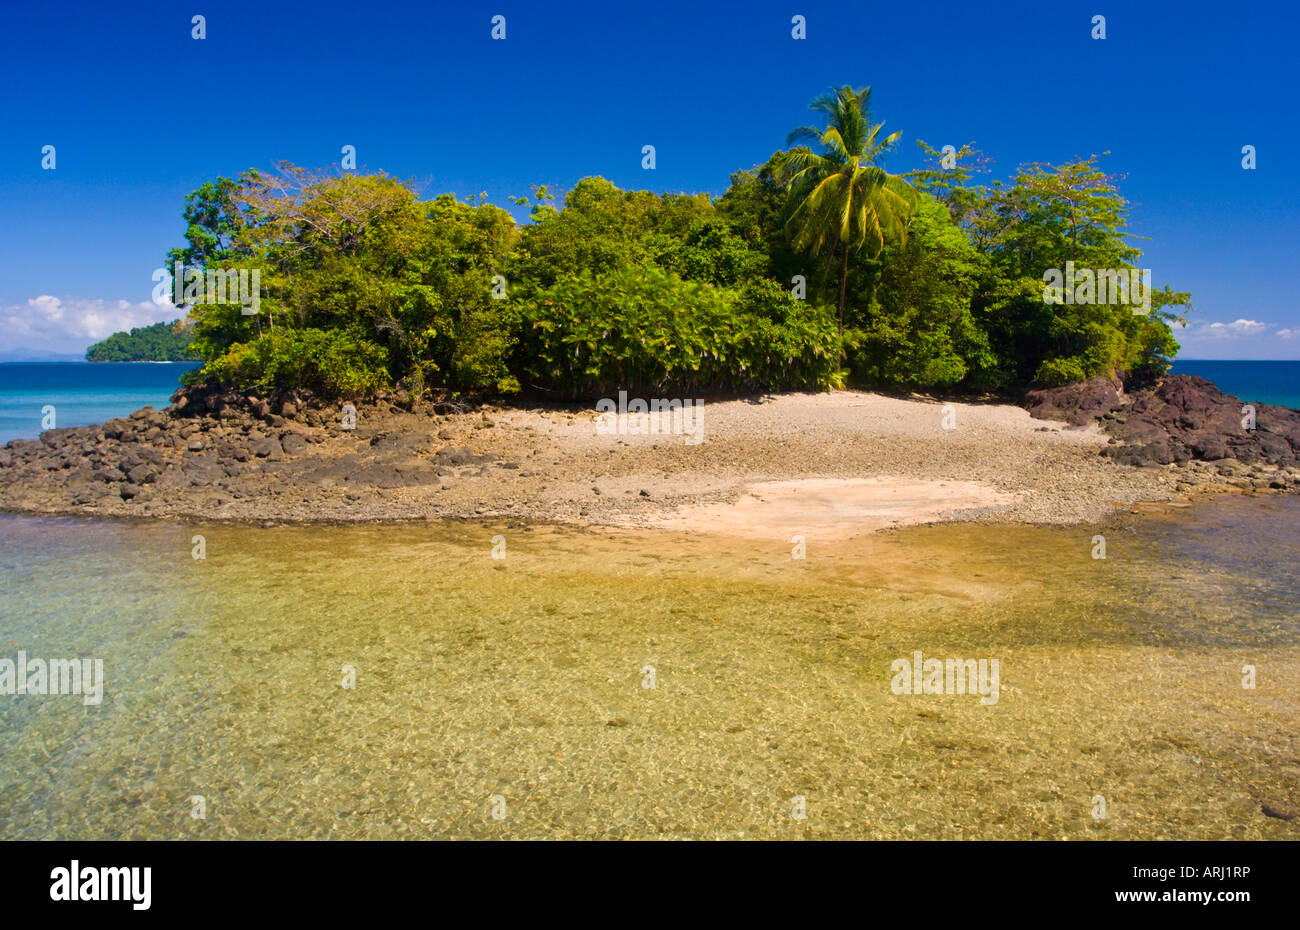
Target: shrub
[333, 363]
[645, 328]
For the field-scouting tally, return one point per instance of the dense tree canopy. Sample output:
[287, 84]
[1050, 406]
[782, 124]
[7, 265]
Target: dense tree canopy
[937, 282]
[1048, 217]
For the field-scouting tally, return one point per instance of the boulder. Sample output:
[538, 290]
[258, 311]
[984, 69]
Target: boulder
[294, 443]
[268, 448]
[1078, 403]
[142, 474]
[115, 427]
[1209, 448]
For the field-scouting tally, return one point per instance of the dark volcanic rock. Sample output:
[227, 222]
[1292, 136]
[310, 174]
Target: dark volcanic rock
[1180, 418]
[460, 456]
[267, 448]
[1209, 448]
[142, 474]
[1195, 413]
[1077, 404]
[391, 475]
[1160, 452]
[402, 442]
[294, 443]
[1137, 428]
[115, 427]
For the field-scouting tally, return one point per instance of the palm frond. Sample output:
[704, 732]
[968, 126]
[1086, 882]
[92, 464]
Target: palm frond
[838, 191]
[809, 134]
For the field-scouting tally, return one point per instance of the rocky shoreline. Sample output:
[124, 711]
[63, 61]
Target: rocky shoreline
[290, 457]
[1179, 420]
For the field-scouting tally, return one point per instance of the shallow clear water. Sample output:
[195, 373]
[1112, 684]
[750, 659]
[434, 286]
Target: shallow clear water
[524, 678]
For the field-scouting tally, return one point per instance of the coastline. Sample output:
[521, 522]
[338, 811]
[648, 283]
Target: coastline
[832, 465]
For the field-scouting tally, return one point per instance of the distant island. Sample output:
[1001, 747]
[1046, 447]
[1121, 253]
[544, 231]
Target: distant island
[160, 342]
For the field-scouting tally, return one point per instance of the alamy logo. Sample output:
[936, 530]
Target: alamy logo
[87, 883]
[1099, 286]
[57, 676]
[215, 286]
[955, 676]
[637, 417]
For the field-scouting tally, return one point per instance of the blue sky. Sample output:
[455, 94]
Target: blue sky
[141, 114]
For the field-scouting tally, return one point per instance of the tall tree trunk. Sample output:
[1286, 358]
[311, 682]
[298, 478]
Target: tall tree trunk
[844, 282]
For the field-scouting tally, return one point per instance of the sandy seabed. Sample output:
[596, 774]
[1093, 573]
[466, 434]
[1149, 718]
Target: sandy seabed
[624, 683]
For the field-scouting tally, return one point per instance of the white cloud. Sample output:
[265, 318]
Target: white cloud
[1240, 339]
[48, 325]
[1222, 330]
[1239, 327]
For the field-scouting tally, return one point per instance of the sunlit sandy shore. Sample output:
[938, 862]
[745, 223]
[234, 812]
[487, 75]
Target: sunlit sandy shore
[878, 460]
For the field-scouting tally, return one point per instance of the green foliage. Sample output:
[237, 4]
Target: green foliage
[841, 197]
[711, 251]
[936, 284]
[159, 342]
[213, 220]
[643, 328]
[1048, 216]
[919, 332]
[363, 254]
[333, 363]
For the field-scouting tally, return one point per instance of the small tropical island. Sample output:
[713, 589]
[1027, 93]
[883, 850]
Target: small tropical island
[369, 354]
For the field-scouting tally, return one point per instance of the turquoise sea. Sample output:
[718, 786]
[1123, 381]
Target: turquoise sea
[81, 393]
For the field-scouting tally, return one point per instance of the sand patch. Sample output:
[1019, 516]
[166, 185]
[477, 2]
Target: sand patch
[833, 508]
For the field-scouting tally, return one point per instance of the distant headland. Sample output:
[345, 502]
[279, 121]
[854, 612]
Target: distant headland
[160, 342]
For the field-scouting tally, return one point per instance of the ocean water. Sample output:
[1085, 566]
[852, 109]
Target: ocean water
[80, 392]
[1271, 382]
[399, 682]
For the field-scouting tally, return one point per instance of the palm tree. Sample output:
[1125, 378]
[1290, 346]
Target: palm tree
[841, 198]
